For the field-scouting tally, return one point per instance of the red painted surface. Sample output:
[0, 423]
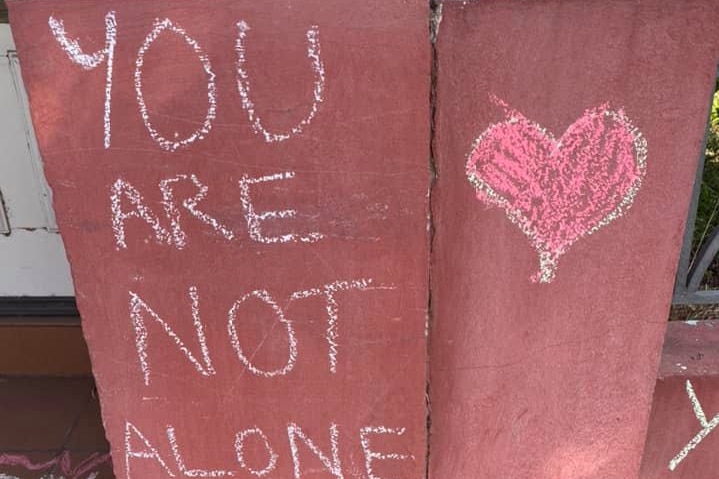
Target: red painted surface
[690, 357]
[554, 380]
[227, 340]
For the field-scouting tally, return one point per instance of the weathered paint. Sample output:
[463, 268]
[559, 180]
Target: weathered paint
[554, 380]
[243, 194]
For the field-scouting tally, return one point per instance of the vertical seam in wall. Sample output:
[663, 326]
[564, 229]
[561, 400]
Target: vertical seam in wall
[435, 18]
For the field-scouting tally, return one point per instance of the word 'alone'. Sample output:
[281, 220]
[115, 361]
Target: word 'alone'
[138, 446]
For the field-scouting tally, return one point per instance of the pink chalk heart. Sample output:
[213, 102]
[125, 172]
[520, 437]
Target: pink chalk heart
[558, 191]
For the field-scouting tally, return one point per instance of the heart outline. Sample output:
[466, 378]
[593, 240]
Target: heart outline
[549, 254]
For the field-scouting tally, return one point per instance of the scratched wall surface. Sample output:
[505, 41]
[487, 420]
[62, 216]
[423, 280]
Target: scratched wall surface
[567, 140]
[242, 191]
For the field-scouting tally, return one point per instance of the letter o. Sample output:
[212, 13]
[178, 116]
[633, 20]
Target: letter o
[165, 144]
[265, 297]
[239, 450]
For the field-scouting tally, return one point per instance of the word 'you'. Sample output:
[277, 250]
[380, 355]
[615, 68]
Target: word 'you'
[106, 56]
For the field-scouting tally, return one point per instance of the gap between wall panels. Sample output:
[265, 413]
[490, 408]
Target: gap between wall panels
[435, 19]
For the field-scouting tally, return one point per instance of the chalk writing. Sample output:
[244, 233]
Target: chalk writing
[181, 462]
[707, 427]
[122, 190]
[298, 441]
[332, 464]
[107, 55]
[190, 204]
[165, 144]
[243, 84]
[328, 292]
[168, 219]
[139, 309]
[126, 203]
[370, 455]
[148, 451]
[92, 61]
[138, 306]
[87, 468]
[254, 219]
[559, 191]
[265, 297]
[239, 450]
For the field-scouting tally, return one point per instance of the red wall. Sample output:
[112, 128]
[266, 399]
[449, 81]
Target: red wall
[228, 334]
[244, 193]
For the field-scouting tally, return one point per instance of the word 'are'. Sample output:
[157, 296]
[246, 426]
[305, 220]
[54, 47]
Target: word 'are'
[124, 194]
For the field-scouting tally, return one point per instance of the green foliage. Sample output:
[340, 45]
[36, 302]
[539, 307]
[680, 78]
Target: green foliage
[708, 209]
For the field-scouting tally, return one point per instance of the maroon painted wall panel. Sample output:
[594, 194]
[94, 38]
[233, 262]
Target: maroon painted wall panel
[227, 340]
[678, 444]
[567, 139]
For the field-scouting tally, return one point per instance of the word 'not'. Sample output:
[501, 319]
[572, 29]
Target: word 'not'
[139, 309]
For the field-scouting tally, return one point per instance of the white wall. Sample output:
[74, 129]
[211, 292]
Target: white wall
[32, 256]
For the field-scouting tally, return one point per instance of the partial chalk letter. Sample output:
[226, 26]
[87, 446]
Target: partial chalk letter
[707, 427]
[91, 61]
[265, 297]
[331, 464]
[190, 204]
[165, 144]
[254, 220]
[239, 450]
[243, 83]
[328, 292]
[138, 306]
[122, 190]
[148, 451]
[371, 455]
[181, 463]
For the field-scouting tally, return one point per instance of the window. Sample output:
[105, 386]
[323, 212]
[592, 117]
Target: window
[33, 266]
